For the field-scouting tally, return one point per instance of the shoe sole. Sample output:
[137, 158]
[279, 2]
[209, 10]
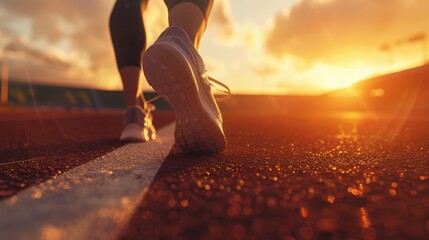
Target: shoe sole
[196, 131]
[133, 133]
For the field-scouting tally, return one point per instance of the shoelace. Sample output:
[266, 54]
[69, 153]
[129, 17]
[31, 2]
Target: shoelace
[148, 107]
[153, 99]
[226, 90]
[148, 117]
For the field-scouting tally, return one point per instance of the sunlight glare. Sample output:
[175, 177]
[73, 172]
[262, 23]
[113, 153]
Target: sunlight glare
[331, 77]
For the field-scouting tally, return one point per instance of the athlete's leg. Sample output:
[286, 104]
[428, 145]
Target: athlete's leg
[129, 41]
[191, 16]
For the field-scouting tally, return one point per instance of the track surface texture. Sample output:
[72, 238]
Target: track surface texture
[35, 146]
[283, 176]
[291, 177]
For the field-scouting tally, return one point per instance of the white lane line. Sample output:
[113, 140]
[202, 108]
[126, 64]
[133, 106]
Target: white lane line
[92, 201]
[23, 161]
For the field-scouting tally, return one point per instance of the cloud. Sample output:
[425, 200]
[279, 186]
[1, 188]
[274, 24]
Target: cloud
[83, 24]
[221, 17]
[344, 31]
[230, 32]
[265, 70]
[20, 47]
[59, 42]
[69, 33]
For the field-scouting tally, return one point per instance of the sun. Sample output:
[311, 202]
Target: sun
[328, 77]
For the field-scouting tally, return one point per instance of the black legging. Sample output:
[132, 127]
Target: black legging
[127, 28]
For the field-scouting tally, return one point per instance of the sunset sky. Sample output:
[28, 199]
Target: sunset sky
[254, 46]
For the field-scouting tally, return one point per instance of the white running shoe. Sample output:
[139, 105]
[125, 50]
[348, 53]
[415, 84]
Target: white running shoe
[176, 71]
[137, 125]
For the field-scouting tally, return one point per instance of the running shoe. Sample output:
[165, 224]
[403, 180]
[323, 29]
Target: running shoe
[137, 125]
[176, 71]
